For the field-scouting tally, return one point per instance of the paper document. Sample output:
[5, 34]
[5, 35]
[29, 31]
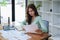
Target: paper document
[31, 28]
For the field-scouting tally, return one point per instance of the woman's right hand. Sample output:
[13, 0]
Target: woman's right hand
[39, 31]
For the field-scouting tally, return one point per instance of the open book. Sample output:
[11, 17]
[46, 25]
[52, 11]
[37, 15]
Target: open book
[31, 29]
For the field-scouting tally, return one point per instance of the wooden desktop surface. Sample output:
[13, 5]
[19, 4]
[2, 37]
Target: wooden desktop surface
[33, 36]
[38, 36]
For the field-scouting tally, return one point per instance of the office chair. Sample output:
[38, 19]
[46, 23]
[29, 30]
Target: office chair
[46, 25]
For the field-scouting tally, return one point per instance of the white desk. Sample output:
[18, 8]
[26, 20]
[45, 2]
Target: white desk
[14, 35]
[19, 35]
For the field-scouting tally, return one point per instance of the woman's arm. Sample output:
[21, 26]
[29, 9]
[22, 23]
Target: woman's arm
[42, 25]
[20, 27]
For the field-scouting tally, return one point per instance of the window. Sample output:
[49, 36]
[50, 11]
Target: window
[19, 10]
[6, 11]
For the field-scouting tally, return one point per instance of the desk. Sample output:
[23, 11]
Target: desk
[20, 35]
[16, 35]
[38, 36]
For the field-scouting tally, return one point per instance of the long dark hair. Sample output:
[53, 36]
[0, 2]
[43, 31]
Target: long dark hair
[29, 17]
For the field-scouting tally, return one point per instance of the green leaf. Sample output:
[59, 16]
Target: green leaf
[4, 3]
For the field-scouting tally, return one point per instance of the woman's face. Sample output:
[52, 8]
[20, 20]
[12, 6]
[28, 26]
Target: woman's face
[31, 12]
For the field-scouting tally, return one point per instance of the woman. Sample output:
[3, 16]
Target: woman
[32, 17]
